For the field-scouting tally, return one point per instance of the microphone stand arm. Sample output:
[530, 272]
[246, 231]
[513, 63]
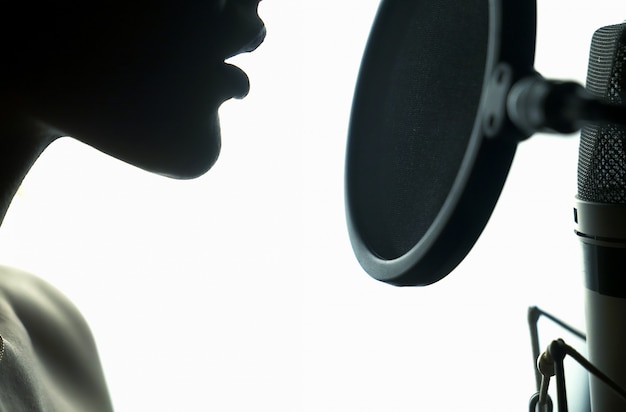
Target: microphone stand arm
[534, 314]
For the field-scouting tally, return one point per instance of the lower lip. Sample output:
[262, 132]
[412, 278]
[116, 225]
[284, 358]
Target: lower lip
[236, 81]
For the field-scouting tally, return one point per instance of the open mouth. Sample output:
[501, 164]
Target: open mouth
[237, 79]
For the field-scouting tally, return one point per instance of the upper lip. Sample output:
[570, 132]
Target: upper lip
[252, 44]
[256, 41]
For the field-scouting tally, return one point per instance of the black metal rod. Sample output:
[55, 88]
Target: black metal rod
[601, 112]
[595, 371]
[534, 313]
[536, 104]
[558, 353]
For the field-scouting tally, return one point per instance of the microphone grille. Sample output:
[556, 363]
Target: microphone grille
[602, 155]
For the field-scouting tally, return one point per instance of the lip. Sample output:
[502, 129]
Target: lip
[251, 45]
[236, 80]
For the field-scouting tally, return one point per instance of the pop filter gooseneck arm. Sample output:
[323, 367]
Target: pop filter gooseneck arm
[536, 104]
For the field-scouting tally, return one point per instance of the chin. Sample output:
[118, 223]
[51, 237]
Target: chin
[189, 165]
[190, 156]
[180, 148]
[174, 134]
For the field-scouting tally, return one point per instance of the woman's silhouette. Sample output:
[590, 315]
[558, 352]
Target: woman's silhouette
[139, 80]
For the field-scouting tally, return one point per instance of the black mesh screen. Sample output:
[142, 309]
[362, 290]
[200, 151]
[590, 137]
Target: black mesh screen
[602, 157]
[413, 115]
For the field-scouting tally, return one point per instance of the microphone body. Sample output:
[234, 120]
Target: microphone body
[602, 229]
[600, 216]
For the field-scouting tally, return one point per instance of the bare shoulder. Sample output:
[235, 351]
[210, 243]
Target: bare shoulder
[50, 361]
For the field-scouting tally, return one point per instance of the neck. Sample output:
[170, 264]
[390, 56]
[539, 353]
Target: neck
[21, 142]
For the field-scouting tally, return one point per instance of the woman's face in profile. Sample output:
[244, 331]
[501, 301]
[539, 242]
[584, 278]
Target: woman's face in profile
[140, 80]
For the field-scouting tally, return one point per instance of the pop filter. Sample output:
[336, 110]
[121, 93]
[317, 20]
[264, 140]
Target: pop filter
[430, 143]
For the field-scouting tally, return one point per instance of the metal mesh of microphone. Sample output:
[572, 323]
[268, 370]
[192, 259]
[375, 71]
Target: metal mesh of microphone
[602, 157]
[411, 125]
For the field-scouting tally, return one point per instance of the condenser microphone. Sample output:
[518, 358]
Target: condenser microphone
[600, 216]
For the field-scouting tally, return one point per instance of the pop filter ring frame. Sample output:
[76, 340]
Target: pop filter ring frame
[487, 160]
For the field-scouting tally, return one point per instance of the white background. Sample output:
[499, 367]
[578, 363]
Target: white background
[239, 290]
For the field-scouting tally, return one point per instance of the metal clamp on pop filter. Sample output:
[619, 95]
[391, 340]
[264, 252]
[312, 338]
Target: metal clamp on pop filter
[445, 92]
